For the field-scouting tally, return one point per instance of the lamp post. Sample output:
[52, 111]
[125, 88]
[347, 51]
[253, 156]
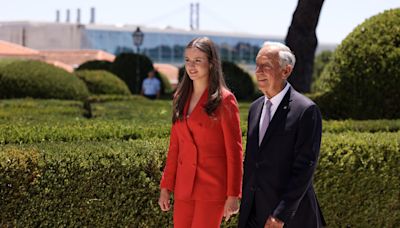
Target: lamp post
[137, 41]
[138, 36]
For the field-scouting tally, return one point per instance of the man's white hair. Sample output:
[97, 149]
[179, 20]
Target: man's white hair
[286, 56]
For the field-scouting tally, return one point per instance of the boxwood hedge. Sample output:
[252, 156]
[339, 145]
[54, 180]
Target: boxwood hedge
[115, 183]
[103, 82]
[39, 80]
[362, 80]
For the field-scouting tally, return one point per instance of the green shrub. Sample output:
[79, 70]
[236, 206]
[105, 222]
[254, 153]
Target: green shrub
[132, 69]
[95, 65]
[320, 62]
[363, 79]
[6, 61]
[238, 81]
[372, 126]
[357, 180]
[115, 183]
[166, 87]
[39, 80]
[97, 130]
[39, 111]
[103, 82]
[91, 184]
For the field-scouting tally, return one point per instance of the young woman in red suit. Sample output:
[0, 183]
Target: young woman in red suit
[204, 161]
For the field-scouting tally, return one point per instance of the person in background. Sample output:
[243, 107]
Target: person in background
[204, 161]
[283, 143]
[151, 86]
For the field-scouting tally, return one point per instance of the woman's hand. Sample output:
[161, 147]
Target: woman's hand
[231, 207]
[164, 200]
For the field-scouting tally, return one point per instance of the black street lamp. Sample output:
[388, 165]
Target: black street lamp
[137, 41]
[138, 38]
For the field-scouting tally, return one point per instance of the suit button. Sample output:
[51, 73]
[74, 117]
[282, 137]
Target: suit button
[257, 165]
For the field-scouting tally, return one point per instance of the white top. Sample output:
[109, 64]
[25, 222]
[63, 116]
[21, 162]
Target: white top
[275, 100]
[151, 86]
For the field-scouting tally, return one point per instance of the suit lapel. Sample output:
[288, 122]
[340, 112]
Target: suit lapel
[278, 117]
[197, 114]
[255, 120]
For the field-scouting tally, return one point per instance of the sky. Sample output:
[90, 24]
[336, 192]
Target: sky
[262, 17]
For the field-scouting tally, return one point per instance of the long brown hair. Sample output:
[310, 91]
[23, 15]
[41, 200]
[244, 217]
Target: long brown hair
[216, 81]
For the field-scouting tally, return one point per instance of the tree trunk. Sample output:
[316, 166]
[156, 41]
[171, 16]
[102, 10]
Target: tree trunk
[302, 39]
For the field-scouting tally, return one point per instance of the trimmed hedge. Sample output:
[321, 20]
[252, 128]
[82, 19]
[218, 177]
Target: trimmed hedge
[95, 65]
[238, 81]
[103, 82]
[91, 184]
[357, 181]
[363, 79]
[117, 117]
[115, 184]
[166, 87]
[320, 62]
[132, 69]
[39, 80]
[80, 131]
[6, 61]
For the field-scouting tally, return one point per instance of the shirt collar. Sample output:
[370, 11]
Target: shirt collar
[276, 100]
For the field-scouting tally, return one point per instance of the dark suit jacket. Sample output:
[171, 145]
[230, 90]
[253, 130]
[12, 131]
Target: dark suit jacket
[278, 173]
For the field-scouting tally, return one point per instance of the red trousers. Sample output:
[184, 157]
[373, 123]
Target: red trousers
[198, 214]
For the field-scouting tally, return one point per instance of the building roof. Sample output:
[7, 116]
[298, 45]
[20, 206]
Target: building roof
[77, 57]
[170, 71]
[7, 48]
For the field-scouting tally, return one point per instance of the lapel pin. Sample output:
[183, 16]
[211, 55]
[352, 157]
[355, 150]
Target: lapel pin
[284, 107]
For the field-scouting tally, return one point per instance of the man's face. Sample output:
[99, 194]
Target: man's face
[270, 76]
[150, 74]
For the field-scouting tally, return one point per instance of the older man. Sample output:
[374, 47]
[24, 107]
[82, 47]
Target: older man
[283, 142]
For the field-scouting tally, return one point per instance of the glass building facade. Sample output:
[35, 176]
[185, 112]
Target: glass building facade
[168, 45]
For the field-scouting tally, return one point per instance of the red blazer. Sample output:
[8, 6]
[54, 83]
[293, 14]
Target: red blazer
[205, 154]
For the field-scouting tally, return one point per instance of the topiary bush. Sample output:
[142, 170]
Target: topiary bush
[6, 61]
[320, 62]
[39, 80]
[95, 65]
[237, 80]
[103, 82]
[166, 87]
[363, 79]
[132, 69]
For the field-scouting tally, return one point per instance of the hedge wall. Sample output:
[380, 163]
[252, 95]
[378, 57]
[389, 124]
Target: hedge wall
[107, 184]
[357, 181]
[115, 183]
[103, 82]
[39, 80]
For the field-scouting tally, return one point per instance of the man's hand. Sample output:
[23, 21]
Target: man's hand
[164, 200]
[273, 223]
[231, 207]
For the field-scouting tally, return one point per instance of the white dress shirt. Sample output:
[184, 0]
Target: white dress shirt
[275, 100]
